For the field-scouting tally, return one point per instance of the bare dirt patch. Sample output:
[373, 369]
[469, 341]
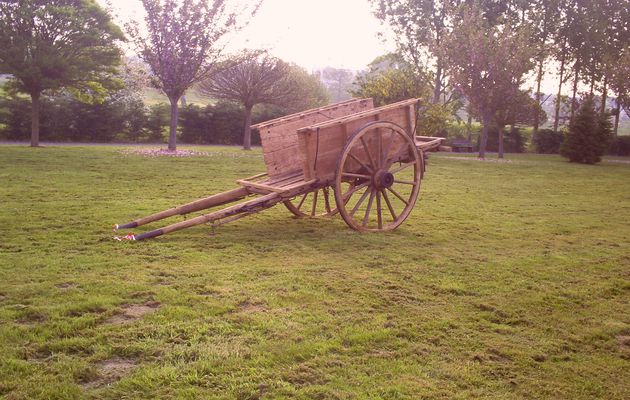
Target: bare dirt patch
[251, 307]
[132, 312]
[624, 345]
[109, 371]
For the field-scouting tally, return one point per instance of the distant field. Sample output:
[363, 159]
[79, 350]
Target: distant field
[508, 281]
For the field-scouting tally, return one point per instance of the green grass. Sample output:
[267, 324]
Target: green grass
[508, 281]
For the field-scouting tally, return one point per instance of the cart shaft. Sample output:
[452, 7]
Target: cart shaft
[247, 207]
[201, 204]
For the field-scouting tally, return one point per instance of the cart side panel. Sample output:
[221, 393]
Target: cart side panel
[323, 148]
[281, 149]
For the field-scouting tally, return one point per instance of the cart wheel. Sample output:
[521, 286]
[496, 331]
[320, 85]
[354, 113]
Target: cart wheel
[378, 177]
[317, 203]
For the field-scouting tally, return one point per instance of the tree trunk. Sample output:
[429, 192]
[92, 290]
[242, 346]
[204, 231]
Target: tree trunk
[35, 119]
[538, 95]
[501, 142]
[617, 115]
[575, 84]
[247, 130]
[484, 136]
[438, 83]
[559, 96]
[469, 128]
[602, 107]
[172, 134]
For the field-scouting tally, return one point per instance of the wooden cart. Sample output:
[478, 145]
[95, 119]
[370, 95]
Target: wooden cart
[350, 158]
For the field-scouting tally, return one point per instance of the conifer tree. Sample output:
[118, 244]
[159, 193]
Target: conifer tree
[589, 135]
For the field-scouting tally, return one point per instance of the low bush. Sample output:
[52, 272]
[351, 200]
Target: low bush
[546, 141]
[620, 146]
[513, 141]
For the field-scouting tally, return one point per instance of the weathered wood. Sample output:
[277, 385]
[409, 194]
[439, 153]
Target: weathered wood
[281, 149]
[202, 204]
[250, 206]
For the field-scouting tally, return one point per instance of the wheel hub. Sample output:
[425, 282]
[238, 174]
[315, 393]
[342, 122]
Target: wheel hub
[383, 179]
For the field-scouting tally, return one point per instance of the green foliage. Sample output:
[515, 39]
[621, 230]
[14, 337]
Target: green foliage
[490, 290]
[546, 141]
[58, 44]
[513, 140]
[220, 123]
[434, 120]
[386, 86]
[589, 135]
[620, 146]
[65, 118]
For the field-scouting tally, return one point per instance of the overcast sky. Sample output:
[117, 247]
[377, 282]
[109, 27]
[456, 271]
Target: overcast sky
[311, 33]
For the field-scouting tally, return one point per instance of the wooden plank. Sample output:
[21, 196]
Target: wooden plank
[197, 205]
[282, 149]
[303, 114]
[360, 115]
[260, 186]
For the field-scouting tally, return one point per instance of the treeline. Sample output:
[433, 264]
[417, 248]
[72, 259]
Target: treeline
[67, 119]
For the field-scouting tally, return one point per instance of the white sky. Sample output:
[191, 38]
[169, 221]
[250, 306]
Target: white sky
[310, 33]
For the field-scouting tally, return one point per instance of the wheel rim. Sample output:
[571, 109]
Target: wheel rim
[378, 177]
[318, 203]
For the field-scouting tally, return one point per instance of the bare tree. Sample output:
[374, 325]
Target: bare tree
[184, 44]
[253, 78]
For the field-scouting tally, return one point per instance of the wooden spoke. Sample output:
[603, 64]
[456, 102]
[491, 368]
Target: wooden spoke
[389, 146]
[402, 167]
[369, 207]
[353, 190]
[396, 156]
[361, 199]
[367, 151]
[404, 182]
[399, 196]
[314, 208]
[379, 214]
[309, 205]
[389, 205]
[379, 149]
[302, 201]
[327, 199]
[370, 170]
[360, 176]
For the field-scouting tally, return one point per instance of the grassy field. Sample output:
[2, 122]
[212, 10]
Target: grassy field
[508, 281]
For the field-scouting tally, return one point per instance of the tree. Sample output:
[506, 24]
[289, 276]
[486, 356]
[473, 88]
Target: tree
[487, 62]
[520, 108]
[620, 84]
[54, 44]
[338, 82]
[253, 79]
[589, 135]
[184, 45]
[390, 79]
[420, 27]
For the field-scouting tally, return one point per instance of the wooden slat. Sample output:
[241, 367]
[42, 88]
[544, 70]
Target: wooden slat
[302, 114]
[360, 115]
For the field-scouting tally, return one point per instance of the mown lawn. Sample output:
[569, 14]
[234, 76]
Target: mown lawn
[508, 281]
